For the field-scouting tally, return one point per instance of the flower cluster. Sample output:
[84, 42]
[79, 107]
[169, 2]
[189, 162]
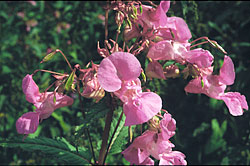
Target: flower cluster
[163, 39]
[155, 142]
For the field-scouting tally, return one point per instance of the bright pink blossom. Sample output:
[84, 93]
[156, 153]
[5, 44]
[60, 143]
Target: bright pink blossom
[215, 85]
[44, 103]
[150, 143]
[235, 102]
[118, 67]
[118, 73]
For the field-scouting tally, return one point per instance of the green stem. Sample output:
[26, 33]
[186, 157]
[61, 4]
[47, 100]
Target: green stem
[57, 50]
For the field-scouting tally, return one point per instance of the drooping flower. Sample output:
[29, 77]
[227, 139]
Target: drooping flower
[44, 103]
[215, 85]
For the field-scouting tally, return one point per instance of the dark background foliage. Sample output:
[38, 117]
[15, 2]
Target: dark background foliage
[206, 132]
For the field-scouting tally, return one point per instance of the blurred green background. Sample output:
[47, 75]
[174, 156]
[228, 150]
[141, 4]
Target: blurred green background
[206, 132]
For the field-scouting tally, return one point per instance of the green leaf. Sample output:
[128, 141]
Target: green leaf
[93, 112]
[119, 138]
[69, 81]
[60, 149]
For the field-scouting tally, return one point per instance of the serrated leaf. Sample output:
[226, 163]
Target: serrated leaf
[60, 149]
[93, 112]
[116, 146]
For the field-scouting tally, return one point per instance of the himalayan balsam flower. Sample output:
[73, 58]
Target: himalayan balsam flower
[44, 103]
[119, 73]
[215, 85]
[157, 145]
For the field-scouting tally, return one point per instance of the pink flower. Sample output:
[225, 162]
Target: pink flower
[141, 108]
[116, 68]
[44, 102]
[178, 27]
[92, 88]
[119, 73]
[150, 144]
[215, 85]
[202, 58]
[235, 102]
[153, 18]
[168, 127]
[173, 158]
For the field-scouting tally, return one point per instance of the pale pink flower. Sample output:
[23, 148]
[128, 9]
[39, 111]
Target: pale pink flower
[44, 102]
[21, 14]
[116, 68]
[235, 102]
[150, 144]
[119, 73]
[215, 85]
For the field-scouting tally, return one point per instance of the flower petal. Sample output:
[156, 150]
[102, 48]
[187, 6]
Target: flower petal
[235, 102]
[142, 109]
[118, 67]
[27, 123]
[30, 89]
[227, 73]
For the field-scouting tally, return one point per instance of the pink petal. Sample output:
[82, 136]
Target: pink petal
[227, 73]
[142, 109]
[61, 100]
[173, 158]
[165, 5]
[202, 58]
[162, 50]
[181, 31]
[168, 126]
[117, 67]
[235, 102]
[148, 161]
[48, 106]
[154, 70]
[30, 89]
[194, 86]
[27, 123]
